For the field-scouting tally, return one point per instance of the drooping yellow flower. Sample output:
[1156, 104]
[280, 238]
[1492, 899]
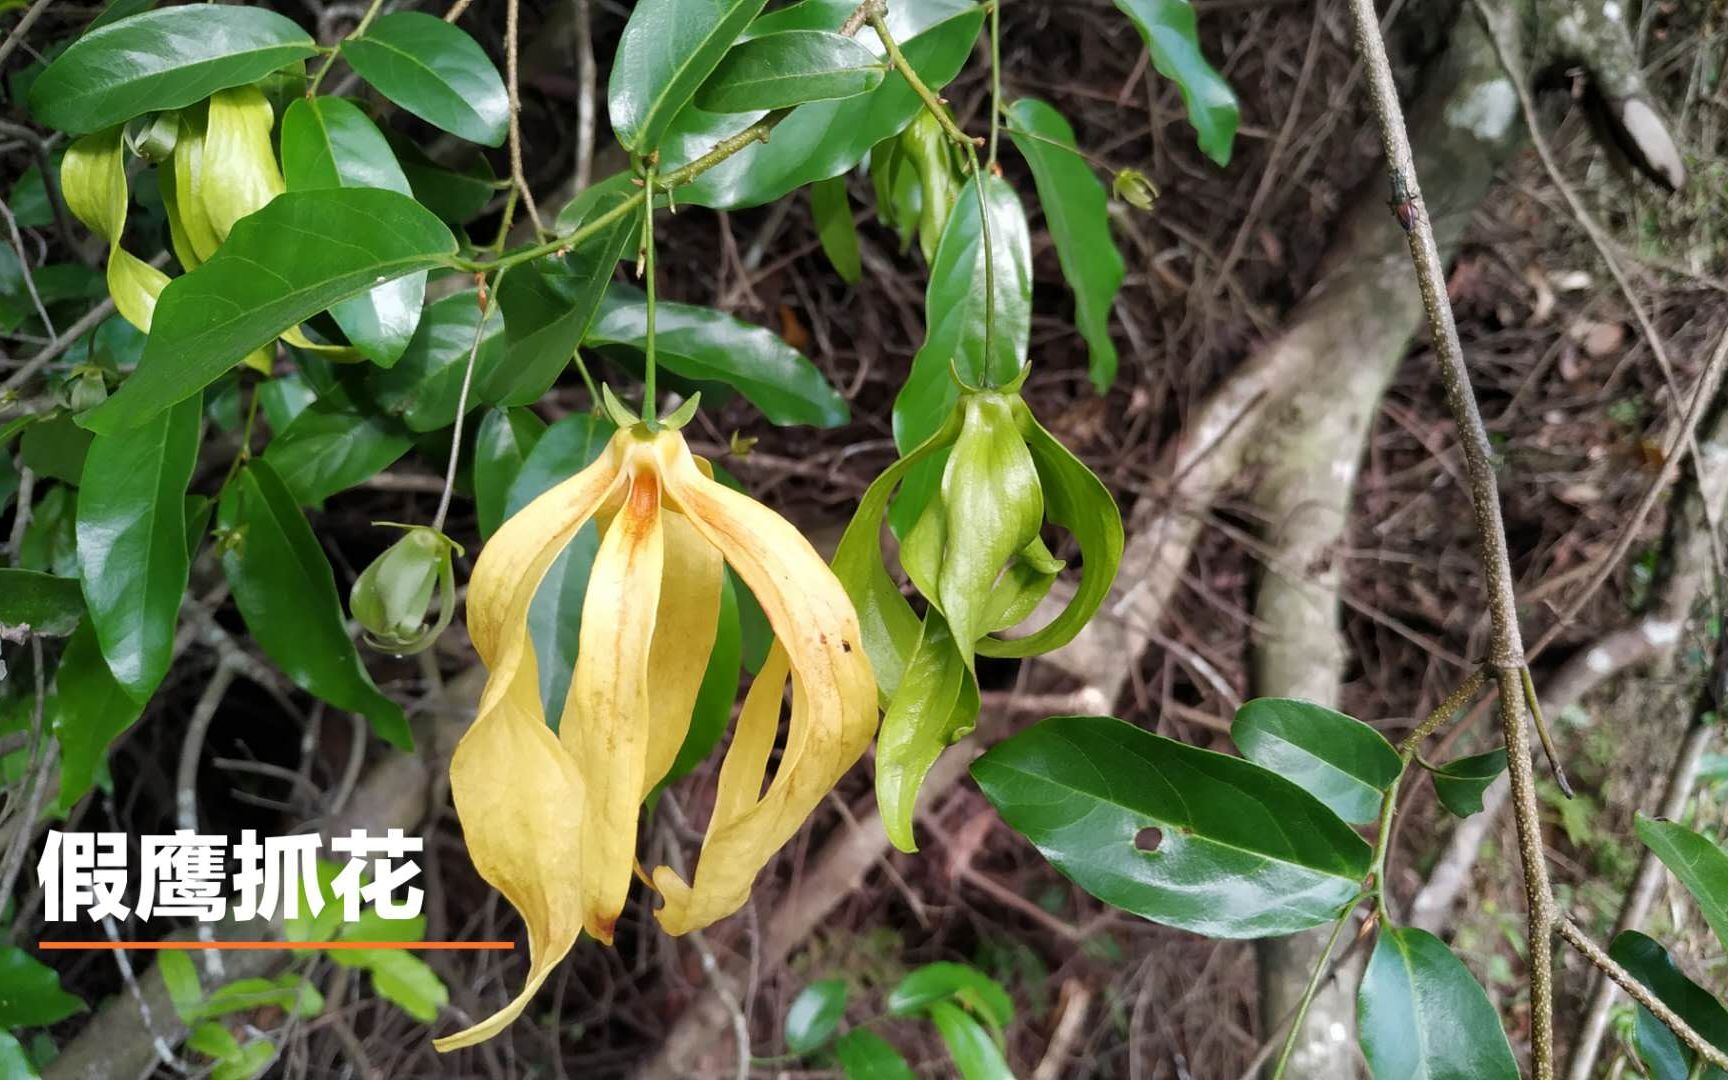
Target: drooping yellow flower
[551, 819]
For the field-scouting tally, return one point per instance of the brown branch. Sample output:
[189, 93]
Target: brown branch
[1506, 648]
[1640, 993]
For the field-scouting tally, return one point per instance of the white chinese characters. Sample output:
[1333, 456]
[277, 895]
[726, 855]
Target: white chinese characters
[198, 876]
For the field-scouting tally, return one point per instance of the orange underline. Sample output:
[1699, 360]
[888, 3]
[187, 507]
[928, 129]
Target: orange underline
[175, 945]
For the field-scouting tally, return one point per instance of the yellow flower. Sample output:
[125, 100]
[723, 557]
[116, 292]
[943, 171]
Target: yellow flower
[551, 820]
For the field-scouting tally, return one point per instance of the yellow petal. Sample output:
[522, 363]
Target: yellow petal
[607, 712]
[525, 546]
[93, 181]
[520, 800]
[684, 631]
[190, 181]
[135, 285]
[833, 690]
[239, 162]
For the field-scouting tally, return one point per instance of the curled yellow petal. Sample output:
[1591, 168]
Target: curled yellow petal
[239, 164]
[684, 632]
[833, 689]
[184, 184]
[606, 715]
[93, 180]
[517, 792]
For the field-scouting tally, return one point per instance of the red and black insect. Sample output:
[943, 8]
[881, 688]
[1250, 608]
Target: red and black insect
[1403, 204]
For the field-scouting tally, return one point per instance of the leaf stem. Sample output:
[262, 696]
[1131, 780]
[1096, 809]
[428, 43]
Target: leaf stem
[330, 57]
[875, 15]
[646, 268]
[1310, 991]
[995, 75]
[487, 297]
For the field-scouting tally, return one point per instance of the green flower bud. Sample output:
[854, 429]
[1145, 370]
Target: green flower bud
[1133, 188]
[153, 137]
[85, 388]
[928, 149]
[391, 597]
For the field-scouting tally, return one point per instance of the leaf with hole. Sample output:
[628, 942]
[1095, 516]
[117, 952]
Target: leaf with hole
[162, 60]
[327, 142]
[291, 260]
[1338, 759]
[1701, 866]
[1421, 1015]
[435, 71]
[286, 593]
[793, 67]
[1077, 212]
[1242, 851]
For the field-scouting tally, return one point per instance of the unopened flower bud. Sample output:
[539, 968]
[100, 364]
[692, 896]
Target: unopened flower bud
[391, 597]
[85, 389]
[1134, 188]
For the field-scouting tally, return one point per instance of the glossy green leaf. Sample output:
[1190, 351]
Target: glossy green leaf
[1241, 852]
[55, 447]
[457, 193]
[793, 67]
[164, 59]
[117, 10]
[327, 142]
[424, 387]
[865, 1055]
[708, 345]
[719, 690]
[1167, 26]
[15, 1063]
[502, 444]
[935, 704]
[1460, 783]
[815, 1015]
[44, 603]
[955, 303]
[668, 49]
[435, 71]
[331, 448]
[944, 981]
[296, 257]
[285, 590]
[1421, 1015]
[290, 993]
[1663, 1053]
[825, 138]
[550, 303]
[1701, 866]
[132, 547]
[91, 710]
[1076, 500]
[30, 994]
[1338, 759]
[555, 616]
[1077, 213]
[284, 398]
[832, 210]
[181, 980]
[976, 1055]
[400, 978]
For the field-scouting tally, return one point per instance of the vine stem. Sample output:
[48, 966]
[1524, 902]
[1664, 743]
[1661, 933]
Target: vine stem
[649, 364]
[1310, 991]
[330, 57]
[1506, 647]
[487, 298]
[1705, 1050]
[876, 15]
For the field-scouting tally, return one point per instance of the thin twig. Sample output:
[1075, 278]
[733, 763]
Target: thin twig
[1640, 993]
[587, 79]
[24, 267]
[512, 13]
[1506, 649]
[486, 300]
[16, 37]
